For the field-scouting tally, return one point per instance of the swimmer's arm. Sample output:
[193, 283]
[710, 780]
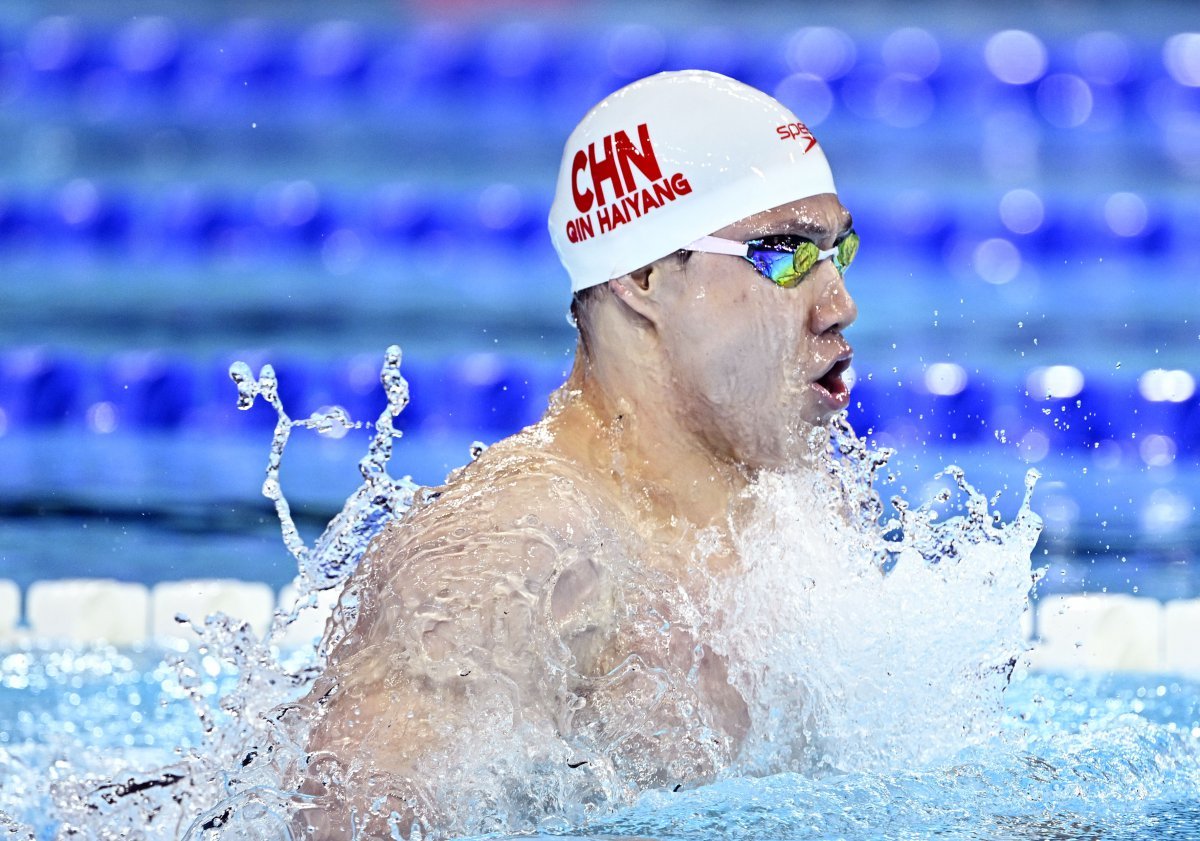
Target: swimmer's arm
[365, 763]
[445, 608]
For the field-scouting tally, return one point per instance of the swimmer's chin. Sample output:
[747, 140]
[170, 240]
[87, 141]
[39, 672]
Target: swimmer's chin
[805, 446]
[816, 418]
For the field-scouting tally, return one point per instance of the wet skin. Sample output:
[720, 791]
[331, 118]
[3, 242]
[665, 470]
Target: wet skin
[544, 556]
[748, 355]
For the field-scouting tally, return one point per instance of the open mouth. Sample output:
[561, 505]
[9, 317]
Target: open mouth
[831, 382]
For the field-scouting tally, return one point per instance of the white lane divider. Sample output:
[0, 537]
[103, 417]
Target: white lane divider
[309, 626]
[1099, 632]
[1181, 629]
[10, 609]
[80, 610]
[249, 600]
[1087, 631]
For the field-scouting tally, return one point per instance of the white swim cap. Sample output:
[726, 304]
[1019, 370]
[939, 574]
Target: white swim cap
[669, 159]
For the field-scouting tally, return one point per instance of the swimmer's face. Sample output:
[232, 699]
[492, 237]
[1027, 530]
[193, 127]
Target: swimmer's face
[756, 366]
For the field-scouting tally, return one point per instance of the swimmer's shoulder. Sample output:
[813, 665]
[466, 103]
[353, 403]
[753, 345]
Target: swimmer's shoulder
[531, 468]
[520, 491]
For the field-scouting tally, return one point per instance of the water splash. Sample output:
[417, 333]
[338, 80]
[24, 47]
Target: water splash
[813, 658]
[376, 502]
[869, 645]
[237, 683]
[1096, 770]
[1080, 757]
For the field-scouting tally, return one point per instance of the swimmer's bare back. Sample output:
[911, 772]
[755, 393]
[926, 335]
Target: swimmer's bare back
[518, 636]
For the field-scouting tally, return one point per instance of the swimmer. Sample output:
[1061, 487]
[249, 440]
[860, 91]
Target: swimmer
[532, 638]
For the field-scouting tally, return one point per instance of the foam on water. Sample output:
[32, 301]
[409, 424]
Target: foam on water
[861, 652]
[842, 641]
[227, 772]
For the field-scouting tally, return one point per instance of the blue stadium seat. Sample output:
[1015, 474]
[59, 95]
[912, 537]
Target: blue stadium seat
[59, 52]
[250, 54]
[146, 50]
[1058, 235]
[959, 76]
[333, 52]
[1075, 422]
[519, 57]
[400, 214]
[575, 77]
[1068, 230]
[506, 216]
[867, 405]
[40, 388]
[911, 221]
[959, 418]
[1138, 417]
[149, 390]
[294, 214]
[193, 217]
[86, 213]
[855, 94]
[710, 48]
[488, 394]
[626, 53]
[1189, 427]
[426, 63]
[355, 386]
[22, 221]
[1151, 240]
[881, 407]
[1077, 230]
[243, 70]
[1182, 224]
[1145, 61]
[911, 413]
[765, 65]
[912, 51]
[1105, 58]
[874, 225]
[453, 216]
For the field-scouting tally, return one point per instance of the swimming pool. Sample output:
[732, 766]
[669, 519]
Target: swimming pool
[1081, 756]
[106, 740]
[179, 191]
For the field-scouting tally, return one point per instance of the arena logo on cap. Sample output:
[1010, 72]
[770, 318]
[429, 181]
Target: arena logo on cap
[620, 166]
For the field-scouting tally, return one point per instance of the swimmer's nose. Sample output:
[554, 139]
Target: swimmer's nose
[835, 309]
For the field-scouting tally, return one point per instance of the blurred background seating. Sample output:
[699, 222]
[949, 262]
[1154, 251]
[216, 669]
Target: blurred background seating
[301, 185]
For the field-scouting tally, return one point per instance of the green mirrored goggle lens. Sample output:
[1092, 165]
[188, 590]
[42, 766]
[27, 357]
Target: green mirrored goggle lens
[783, 263]
[786, 263]
[847, 249]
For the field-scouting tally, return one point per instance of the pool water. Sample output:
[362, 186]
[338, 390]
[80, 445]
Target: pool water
[155, 218]
[1080, 756]
[139, 742]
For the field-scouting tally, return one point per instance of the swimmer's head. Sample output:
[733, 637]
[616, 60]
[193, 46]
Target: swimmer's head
[706, 245]
[670, 159]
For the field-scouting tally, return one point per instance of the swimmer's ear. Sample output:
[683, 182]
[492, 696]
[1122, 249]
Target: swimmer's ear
[639, 290]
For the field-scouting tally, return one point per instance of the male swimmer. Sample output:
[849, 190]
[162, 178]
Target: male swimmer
[534, 638]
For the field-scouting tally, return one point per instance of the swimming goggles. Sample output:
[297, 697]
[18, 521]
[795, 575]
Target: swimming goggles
[783, 260]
